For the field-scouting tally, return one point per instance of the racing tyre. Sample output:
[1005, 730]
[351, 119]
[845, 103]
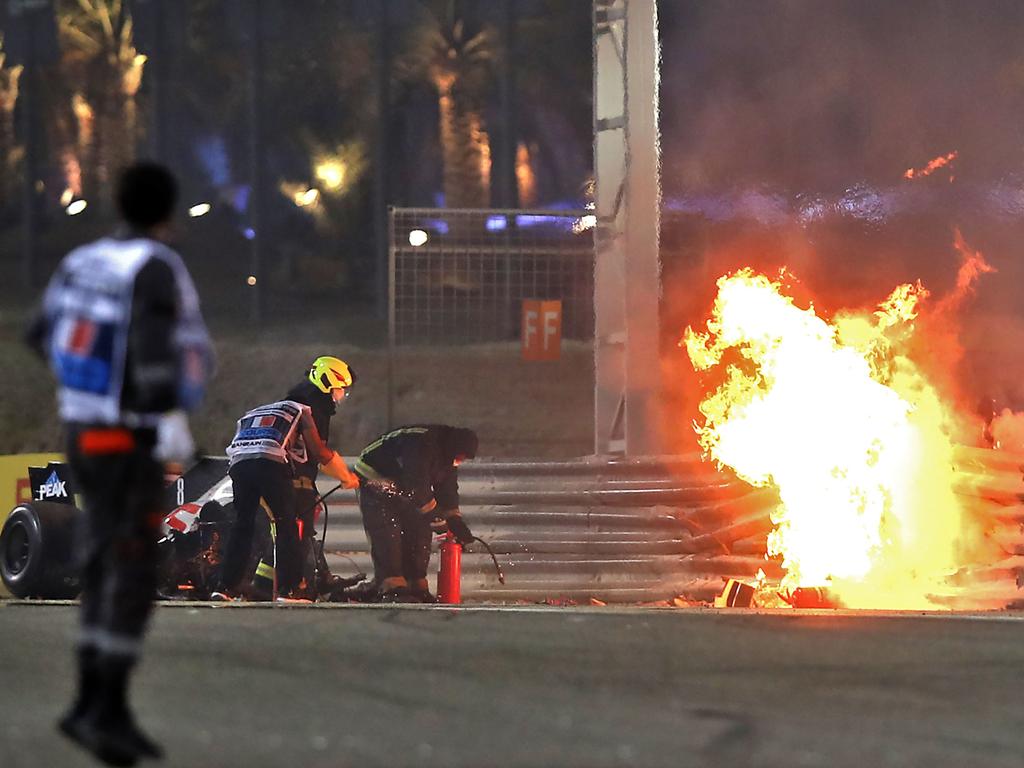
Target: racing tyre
[37, 553]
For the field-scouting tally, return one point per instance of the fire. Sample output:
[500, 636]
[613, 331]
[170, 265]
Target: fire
[972, 266]
[854, 436]
[933, 165]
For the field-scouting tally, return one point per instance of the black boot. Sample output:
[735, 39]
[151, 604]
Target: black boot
[262, 588]
[398, 595]
[108, 729]
[88, 685]
[113, 711]
[362, 592]
[334, 586]
[108, 742]
[421, 589]
[395, 589]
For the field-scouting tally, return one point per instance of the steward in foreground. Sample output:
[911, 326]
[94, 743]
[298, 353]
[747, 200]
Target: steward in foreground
[121, 328]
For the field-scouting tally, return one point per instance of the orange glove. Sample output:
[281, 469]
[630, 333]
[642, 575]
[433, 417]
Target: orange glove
[336, 468]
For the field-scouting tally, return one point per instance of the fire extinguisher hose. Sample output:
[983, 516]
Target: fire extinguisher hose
[501, 576]
[320, 499]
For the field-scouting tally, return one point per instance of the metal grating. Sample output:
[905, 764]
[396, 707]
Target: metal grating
[460, 276]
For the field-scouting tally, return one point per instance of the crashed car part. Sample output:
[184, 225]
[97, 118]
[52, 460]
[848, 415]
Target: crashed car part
[190, 551]
[736, 594]
[812, 597]
[36, 551]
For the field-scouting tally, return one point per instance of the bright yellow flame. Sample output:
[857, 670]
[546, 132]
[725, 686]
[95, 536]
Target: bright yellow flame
[852, 434]
[67, 196]
[331, 173]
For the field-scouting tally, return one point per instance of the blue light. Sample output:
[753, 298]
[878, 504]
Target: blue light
[212, 153]
[496, 223]
[250, 233]
[238, 197]
[535, 220]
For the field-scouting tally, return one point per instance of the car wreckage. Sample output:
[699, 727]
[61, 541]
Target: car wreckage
[37, 553]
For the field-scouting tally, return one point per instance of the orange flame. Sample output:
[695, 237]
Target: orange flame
[933, 165]
[857, 440]
[972, 266]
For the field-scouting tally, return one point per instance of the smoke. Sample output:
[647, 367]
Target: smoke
[788, 127]
[811, 95]
[1007, 431]
[938, 345]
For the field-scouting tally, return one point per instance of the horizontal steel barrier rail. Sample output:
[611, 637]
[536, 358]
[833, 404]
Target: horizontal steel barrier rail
[654, 529]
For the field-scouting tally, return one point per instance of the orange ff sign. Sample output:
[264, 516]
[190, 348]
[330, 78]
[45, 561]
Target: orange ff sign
[542, 329]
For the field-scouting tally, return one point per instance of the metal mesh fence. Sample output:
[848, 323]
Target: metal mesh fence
[460, 276]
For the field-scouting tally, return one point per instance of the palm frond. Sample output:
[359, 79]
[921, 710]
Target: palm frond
[79, 37]
[103, 16]
[87, 7]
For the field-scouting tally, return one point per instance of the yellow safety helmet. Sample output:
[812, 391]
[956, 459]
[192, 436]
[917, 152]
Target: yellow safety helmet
[330, 373]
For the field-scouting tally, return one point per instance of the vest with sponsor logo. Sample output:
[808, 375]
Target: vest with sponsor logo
[88, 308]
[270, 431]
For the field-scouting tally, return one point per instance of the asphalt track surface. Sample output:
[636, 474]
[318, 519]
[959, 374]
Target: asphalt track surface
[394, 686]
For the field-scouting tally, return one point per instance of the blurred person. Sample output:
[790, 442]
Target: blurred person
[270, 442]
[121, 328]
[324, 387]
[409, 490]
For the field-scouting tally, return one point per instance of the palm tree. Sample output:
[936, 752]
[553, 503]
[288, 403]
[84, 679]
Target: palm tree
[9, 77]
[553, 84]
[456, 60]
[105, 71]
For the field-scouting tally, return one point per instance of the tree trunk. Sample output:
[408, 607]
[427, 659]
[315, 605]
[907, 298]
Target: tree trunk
[77, 142]
[466, 154]
[466, 183]
[8, 144]
[116, 120]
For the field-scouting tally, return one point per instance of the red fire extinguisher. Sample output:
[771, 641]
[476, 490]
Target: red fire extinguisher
[449, 577]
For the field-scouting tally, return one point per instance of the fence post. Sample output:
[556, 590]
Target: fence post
[257, 165]
[392, 258]
[381, 158]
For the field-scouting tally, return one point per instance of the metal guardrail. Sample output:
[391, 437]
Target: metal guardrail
[651, 529]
